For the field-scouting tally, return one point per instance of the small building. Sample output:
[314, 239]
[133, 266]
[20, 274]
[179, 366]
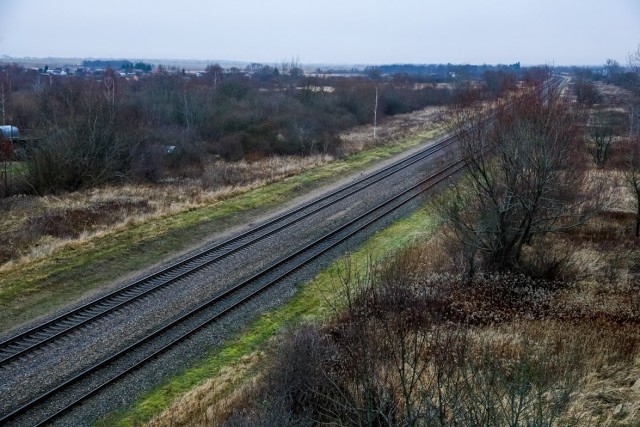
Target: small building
[9, 132]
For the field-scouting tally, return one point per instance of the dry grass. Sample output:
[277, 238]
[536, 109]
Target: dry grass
[35, 227]
[567, 353]
[209, 403]
[401, 125]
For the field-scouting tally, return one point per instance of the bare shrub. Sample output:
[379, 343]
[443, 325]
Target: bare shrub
[399, 354]
[550, 261]
[74, 221]
[601, 138]
[524, 179]
[298, 387]
[149, 163]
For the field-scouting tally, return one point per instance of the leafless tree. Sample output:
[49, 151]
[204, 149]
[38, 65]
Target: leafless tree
[634, 99]
[111, 88]
[586, 92]
[634, 60]
[213, 73]
[601, 141]
[523, 179]
[5, 91]
[613, 69]
[632, 178]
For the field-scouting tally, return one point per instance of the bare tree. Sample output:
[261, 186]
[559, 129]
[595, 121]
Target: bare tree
[523, 179]
[111, 87]
[213, 73]
[586, 92]
[5, 91]
[632, 178]
[634, 60]
[613, 69]
[634, 100]
[601, 141]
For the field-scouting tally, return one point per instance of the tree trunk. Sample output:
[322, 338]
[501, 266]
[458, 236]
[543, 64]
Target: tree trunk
[638, 216]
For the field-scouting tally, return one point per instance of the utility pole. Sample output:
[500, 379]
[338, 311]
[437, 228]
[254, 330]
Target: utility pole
[375, 115]
[631, 120]
[3, 100]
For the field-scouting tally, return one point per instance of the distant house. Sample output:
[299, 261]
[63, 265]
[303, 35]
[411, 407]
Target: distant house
[58, 72]
[10, 132]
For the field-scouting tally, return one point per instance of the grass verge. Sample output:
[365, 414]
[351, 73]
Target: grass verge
[313, 301]
[76, 270]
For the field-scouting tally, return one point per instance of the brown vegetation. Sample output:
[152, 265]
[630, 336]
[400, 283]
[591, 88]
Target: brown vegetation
[418, 345]
[524, 179]
[33, 227]
[78, 216]
[111, 129]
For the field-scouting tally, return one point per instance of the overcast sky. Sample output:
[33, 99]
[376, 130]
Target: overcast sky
[560, 32]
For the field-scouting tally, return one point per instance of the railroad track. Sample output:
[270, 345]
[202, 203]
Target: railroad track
[101, 375]
[38, 336]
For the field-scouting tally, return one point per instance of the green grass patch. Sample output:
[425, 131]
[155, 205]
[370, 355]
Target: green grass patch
[45, 285]
[313, 301]
[14, 168]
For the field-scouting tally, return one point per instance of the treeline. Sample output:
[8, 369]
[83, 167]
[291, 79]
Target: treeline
[445, 72]
[109, 129]
[610, 73]
[121, 64]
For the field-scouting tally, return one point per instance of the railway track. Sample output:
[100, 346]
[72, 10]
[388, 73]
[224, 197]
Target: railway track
[216, 307]
[38, 336]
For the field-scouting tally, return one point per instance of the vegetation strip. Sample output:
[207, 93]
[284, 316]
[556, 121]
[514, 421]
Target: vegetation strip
[313, 301]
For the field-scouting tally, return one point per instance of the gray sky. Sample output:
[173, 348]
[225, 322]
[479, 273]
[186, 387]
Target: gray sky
[559, 32]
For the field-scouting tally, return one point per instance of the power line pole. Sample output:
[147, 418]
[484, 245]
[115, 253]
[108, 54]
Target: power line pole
[375, 115]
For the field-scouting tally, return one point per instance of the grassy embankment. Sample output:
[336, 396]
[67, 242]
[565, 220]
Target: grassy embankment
[225, 368]
[37, 286]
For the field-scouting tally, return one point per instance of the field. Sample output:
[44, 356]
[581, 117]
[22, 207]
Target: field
[476, 310]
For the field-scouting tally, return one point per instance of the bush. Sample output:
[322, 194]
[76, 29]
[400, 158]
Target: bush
[403, 353]
[73, 160]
